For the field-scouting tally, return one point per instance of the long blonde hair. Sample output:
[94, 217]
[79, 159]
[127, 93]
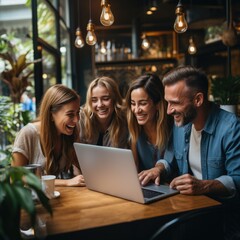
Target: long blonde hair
[53, 100]
[154, 88]
[118, 119]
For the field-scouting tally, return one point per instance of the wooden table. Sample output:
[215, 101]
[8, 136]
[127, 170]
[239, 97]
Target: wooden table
[80, 213]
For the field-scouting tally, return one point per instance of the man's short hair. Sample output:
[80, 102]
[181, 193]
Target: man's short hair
[194, 78]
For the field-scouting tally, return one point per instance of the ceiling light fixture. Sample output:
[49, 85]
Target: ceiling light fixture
[106, 18]
[180, 24]
[79, 42]
[153, 6]
[91, 38]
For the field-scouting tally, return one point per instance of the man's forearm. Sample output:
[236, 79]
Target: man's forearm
[215, 187]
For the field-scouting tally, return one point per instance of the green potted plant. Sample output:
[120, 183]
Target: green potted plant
[226, 91]
[16, 186]
[16, 76]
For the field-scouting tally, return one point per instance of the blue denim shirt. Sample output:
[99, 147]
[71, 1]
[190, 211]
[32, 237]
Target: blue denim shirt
[220, 149]
[148, 154]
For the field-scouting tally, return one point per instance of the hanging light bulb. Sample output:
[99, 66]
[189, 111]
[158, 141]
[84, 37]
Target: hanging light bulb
[145, 43]
[79, 42]
[103, 49]
[106, 18]
[180, 24]
[91, 38]
[192, 47]
[149, 12]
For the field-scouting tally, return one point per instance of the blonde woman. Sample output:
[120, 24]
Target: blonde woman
[48, 140]
[102, 118]
[148, 123]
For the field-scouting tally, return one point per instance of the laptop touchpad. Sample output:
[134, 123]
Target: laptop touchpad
[150, 194]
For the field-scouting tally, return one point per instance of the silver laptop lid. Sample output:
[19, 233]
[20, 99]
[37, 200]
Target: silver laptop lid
[109, 170]
[113, 171]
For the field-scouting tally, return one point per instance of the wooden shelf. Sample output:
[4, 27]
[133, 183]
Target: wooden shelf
[136, 61]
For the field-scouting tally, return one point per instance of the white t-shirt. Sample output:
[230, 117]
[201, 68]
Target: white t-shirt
[195, 153]
[27, 142]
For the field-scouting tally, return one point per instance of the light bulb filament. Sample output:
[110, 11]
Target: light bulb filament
[106, 16]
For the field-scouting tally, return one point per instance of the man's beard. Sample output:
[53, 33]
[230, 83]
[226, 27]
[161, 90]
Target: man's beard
[188, 116]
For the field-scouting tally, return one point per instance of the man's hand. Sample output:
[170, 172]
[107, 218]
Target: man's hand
[188, 184]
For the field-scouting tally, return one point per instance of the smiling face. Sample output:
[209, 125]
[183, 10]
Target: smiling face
[180, 104]
[102, 104]
[67, 117]
[143, 107]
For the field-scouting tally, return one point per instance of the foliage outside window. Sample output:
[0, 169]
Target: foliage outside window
[65, 56]
[16, 76]
[46, 24]
[49, 70]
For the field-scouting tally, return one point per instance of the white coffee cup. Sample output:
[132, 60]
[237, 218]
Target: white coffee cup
[48, 185]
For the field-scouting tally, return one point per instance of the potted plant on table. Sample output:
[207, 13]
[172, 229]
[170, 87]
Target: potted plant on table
[226, 92]
[16, 186]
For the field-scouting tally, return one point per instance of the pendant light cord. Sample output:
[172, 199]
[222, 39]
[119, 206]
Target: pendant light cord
[90, 8]
[78, 8]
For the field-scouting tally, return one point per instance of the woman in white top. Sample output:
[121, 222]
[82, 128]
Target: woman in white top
[49, 139]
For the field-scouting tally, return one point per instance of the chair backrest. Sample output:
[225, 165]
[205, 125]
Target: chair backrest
[201, 224]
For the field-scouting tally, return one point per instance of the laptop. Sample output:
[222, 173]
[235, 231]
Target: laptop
[113, 171]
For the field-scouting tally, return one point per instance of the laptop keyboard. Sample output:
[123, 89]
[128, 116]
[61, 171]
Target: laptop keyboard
[150, 193]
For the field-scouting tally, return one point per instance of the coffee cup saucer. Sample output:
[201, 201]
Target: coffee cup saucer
[56, 194]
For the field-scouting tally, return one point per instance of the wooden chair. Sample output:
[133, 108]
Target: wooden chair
[204, 224]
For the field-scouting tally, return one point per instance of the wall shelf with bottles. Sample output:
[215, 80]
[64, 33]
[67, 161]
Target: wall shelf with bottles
[161, 45]
[115, 59]
[137, 62]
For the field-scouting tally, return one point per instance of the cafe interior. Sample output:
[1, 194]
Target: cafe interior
[74, 41]
[141, 36]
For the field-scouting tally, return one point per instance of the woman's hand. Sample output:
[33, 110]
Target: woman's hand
[152, 174]
[76, 181]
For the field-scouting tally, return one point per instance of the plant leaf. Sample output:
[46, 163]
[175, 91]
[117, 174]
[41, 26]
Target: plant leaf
[43, 199]
[10, 212]
[2, 194]
[24, 196]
